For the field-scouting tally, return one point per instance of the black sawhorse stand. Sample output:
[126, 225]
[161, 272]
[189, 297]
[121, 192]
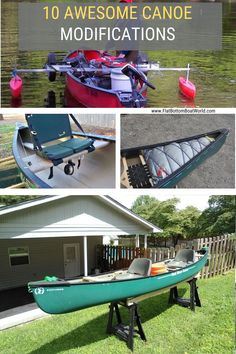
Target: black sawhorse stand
[125, 332]
[191, 302]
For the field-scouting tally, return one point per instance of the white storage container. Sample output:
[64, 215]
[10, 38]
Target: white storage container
[119, 81]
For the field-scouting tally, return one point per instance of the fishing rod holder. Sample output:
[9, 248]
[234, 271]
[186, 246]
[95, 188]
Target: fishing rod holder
[191, 302]
[125, 332]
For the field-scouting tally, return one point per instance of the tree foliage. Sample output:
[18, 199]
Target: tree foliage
[219, 217]
[15, 199]
[174, 223]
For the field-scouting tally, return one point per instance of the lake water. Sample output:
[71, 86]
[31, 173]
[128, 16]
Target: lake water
[214, 72]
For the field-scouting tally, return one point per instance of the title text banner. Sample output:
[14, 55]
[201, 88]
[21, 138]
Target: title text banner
[108, 26]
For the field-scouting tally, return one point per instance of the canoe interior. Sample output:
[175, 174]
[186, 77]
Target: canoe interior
[96, 170]
[95, 89]
[163, 165]
[92, 93]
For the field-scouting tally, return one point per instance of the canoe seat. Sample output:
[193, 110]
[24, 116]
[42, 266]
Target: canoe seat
[76, 144]
[183, 258]
[56, 152]
[163, 160]
[66, 148]
[49, 128]
[140, 267]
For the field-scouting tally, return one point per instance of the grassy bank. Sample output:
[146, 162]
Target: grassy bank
[169, 329]
[6, 136]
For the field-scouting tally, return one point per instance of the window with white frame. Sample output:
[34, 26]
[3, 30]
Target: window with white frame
[18, 255]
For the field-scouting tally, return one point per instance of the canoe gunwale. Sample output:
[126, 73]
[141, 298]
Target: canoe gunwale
[24, 169]
[219, 132]
[95, 136]
[67, 283]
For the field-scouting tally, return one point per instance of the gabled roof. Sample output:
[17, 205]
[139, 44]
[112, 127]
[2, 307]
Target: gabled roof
[28, 204]
[108, 200]
[138, 218]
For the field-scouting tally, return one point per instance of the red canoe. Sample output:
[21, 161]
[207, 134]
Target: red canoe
[187, 88]
[16, 85]
[99, 92]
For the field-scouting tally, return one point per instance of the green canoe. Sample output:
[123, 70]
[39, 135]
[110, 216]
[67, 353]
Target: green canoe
[62, 296]
[163, 165]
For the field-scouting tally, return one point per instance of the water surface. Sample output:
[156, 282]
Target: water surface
[214, 72]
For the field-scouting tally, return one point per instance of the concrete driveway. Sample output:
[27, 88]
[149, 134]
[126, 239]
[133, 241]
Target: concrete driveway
[216, 172]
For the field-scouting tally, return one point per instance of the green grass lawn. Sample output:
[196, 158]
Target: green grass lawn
[169, 329]
[6, 136]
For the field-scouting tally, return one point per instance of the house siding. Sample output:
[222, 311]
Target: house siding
[44, 228]
[70, 216]
[46, 258]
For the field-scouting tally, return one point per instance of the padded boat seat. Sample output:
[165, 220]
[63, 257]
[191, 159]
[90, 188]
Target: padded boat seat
[164, 160]
[140, 267]
[183, 258]
[56, 152]
[66, 148]
[77, 145]
[48, 128]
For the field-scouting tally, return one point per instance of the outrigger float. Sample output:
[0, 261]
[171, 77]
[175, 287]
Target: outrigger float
[50, 155]
[163, 165]
[102, 80]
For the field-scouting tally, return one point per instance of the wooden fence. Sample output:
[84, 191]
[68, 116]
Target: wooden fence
[221, 260]
[222, 255]
[98, 120]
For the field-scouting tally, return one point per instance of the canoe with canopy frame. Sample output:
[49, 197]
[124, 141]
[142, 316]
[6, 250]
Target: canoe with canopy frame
[165, 164]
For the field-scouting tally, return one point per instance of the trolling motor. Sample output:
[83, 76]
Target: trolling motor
[135, 76]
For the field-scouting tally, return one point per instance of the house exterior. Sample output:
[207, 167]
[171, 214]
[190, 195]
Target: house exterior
[58, 236]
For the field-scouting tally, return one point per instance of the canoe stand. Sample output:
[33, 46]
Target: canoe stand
[191, 302]
[127, 332]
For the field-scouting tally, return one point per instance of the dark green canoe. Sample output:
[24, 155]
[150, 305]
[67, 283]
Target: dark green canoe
[61, 296]
[165, 164]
